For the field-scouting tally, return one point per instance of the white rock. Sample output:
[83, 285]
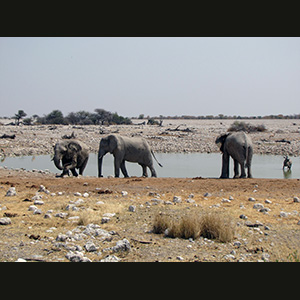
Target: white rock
[61, 237]
[225, 200]
[268, 201]
[36, 197]
[61, 215]
[132, 208]
[258, 206]
[121, 245]
[5, 221]
[283, 214]
[37, 212]
[109, 215]
[77, 194]
[32, 208]
[21, 260]
[296, 199]
[11, 192]
[251, 199]
[86, 195]
[105, 220]
[124, 193]
[176, 199]
[90, 246]
[38, 202]
[110, 258]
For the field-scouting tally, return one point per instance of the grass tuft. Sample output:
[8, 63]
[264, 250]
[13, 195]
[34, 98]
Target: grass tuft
[212, 225]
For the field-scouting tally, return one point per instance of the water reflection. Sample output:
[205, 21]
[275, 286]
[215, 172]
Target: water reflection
[287, 174]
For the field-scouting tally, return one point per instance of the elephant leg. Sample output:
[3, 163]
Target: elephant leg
[236, 169]
[249, 161]
[117, 165]
[123, 169]
[144, 167]
[243, 172]
[225, 165]
[153, 172]
[82, 167]
[74, 172]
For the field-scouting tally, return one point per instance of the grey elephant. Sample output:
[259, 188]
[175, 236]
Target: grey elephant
[238, 145]
[123, 148]
[69, 155]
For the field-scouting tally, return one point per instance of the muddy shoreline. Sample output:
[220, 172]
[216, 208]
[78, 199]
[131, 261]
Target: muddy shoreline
[282, 137]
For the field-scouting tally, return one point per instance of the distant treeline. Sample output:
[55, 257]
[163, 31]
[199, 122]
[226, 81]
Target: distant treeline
[222, 117]
[56, 117]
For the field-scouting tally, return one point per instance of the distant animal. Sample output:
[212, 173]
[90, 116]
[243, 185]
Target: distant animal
[132, 149]
[287, 163]
[70, 154]
[238, 145]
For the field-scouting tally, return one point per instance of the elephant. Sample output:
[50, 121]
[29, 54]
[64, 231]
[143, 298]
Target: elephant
[70, 154]
[238, 145]
[132, 149]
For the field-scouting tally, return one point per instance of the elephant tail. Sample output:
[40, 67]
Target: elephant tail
[156, 159]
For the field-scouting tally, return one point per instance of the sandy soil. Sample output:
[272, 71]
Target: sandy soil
[263, 236]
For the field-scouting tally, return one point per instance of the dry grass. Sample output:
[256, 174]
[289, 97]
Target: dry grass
[213, 225]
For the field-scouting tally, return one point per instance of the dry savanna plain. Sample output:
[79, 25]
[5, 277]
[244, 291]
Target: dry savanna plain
[136, 219]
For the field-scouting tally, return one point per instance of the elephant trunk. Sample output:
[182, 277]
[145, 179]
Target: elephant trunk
[57, 163]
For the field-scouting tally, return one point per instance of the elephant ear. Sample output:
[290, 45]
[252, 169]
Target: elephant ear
[112, 143]
[221, 140]
[74, 147]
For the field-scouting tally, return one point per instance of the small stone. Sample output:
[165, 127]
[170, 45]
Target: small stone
[21, 260]
[5, 221]
[265, 257]
[11, 192]
[132, 208]
[109, 215]
[38, 202]
[124, 193]
[283, 214]
[105, 220]
[258, 206]
[121, 245]
[296, 199]
[168, 203]
[61, 215]
[61, 238]
[86, 195]
[251, 199]
[32, 208]
[244, 217]
[90, 246]
[264, 210]
[207, 195]
[110, 258]
[230, 198]
[36, 197]
[237, 244]
[225, 200]
[268, 201]
[179, 258]
[77, 194]
[37, 212]
[176, 199]
[47, 216]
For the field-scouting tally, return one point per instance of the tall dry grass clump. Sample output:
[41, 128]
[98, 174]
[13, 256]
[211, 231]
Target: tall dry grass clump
[213, 225]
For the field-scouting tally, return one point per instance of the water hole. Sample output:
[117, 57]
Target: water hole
[174, 165]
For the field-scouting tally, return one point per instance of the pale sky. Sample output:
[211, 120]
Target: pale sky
[152, 76]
